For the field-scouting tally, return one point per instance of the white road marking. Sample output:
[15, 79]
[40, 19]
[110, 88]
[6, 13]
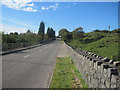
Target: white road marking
[26, 56]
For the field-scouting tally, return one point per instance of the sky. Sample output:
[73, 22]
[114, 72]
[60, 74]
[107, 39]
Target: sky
[20, 15]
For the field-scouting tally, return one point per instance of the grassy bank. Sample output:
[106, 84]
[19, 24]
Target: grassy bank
[66, 75]
[107, 46]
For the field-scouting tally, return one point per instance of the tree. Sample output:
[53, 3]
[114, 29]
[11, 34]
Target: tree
[116, 30]
[15, 33]
[97, 30]
[104, 31]
[67, 36]
[62, 31]
[79, 29]
[28, 32]
[11, 33]
[50, 33]
[78, 33]
[41, 30]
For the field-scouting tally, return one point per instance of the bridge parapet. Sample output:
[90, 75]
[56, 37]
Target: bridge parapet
[97, 71]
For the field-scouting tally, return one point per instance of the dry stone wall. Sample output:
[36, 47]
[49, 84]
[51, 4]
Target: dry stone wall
[97, 71]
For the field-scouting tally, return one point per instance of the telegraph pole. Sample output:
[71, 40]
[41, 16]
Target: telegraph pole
[108, 29]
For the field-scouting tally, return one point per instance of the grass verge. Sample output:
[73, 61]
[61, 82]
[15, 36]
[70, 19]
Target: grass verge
[66, 75]
[61, 41]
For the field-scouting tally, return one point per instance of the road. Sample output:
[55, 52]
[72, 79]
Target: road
[29, 68]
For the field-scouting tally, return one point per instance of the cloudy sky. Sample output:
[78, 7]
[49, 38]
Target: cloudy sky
[21, 15]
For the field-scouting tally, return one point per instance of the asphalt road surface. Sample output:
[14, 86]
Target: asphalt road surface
[30, 68]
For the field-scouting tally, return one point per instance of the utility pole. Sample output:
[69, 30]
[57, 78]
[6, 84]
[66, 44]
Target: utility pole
[108, 29]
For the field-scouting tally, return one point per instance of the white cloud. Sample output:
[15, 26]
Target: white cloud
[29, 9]
[54, 7]
[19, 4]
[43, 8]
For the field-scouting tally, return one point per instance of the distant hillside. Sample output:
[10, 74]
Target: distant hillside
[100, 43]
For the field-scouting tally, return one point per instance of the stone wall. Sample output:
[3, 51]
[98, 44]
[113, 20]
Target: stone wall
[97, 71]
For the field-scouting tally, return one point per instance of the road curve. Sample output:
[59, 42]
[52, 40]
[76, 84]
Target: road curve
[29, 68]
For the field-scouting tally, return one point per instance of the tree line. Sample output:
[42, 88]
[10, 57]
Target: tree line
[75, 34]
[29, 36]
[78, 33]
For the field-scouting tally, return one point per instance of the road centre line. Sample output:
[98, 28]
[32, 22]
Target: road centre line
[26, 56]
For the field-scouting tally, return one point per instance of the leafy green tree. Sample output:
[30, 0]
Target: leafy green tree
[11, 33]
[62, 31]
[97, 30]
[78, 33]
[41, 30]
[67, 36]
[15, 33]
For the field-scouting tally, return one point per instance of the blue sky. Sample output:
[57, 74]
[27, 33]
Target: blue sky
[21, 16]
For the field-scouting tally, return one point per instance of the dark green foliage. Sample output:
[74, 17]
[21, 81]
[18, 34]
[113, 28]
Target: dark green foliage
[116, 30]
[97, 30]
[104, 31]
[29, 36]
[76, 34]
[16, 33]
[92, 38]
[11, 33]
[107, 31]
[67, 36]
[14, 38]
[41, 30]
[50, 33]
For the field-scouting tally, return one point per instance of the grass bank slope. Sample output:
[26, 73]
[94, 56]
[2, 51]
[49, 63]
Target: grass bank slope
[102, 44]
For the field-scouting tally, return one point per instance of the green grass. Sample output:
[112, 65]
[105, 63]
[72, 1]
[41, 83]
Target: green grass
[106, 47]
[61, 41]
[66, 75]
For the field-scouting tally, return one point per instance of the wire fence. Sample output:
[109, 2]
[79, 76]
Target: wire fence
[11, 46]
